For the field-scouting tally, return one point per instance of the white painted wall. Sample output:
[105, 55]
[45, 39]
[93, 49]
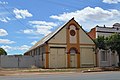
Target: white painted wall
[26, 61]
[9, 61]
[106, 31]
[112, 59]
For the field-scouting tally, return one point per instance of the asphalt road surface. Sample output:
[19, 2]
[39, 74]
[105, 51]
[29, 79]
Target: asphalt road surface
[67, 76]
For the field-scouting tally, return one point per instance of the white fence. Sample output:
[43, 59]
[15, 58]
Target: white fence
[10, 61]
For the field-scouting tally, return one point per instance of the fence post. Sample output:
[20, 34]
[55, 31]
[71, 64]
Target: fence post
[18, 62]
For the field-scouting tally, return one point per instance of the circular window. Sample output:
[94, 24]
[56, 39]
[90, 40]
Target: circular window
[72, 32]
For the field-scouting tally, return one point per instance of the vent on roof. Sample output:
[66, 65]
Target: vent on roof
[104, 26]
[116, 25]
[97, 26]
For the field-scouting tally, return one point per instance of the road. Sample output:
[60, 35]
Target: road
[67, 76]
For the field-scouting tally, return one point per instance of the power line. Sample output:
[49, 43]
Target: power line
[14, 16]
[61, 4]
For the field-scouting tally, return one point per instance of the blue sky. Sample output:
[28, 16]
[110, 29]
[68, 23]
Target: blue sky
[24, 22]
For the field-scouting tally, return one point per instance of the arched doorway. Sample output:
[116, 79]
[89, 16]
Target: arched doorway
[73, 58]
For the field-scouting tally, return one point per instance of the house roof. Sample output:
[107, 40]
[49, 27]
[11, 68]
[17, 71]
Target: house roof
[42, 41]
[117, 25]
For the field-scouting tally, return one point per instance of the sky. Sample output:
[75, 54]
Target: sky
[24, 22]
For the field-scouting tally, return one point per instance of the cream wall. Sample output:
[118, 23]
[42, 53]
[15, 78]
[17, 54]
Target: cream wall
[87, 53]
[57, 58]
[44, 60]
[60, 37]
[87, 57]
[84, 38]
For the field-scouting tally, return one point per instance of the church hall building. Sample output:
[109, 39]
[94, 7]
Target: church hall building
[68, 47]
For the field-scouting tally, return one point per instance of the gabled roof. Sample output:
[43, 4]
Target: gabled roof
[48, 37]
[42, 41]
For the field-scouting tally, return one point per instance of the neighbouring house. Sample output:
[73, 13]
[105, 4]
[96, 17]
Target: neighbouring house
[68, 47]
[105, 57]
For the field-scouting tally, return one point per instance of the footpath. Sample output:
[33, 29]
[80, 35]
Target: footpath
[34, 71]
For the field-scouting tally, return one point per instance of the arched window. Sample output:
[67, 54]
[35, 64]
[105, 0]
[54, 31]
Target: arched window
[73, 51]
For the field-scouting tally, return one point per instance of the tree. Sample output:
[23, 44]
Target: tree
[101, 42]
[113, 42]
[2, 52]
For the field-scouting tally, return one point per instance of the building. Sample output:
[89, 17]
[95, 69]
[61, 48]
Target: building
[105, 57]
[104, 31]
[68, 47]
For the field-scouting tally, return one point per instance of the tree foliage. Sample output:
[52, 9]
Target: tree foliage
[101, 42]
[113, 42]
[2, 52]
